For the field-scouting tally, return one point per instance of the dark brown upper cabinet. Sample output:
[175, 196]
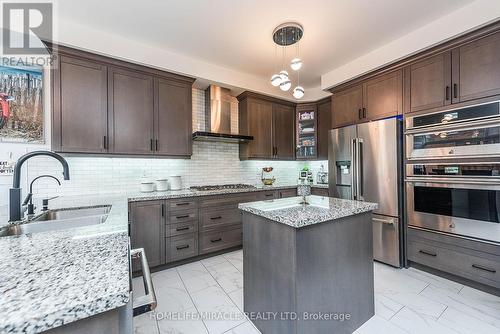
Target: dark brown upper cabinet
[80, 106]
[428, 83]
[465, 73]
[283, 131]
[346, 106]
[324, 111]
[383, 96]
[131, 111]
[272, 124]
[173, 118]
[255, 119]
[103, 105]
[376, 98]
[476, 69]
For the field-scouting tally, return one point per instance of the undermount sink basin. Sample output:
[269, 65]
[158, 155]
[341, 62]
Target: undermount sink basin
[59, 220]
[60, 214]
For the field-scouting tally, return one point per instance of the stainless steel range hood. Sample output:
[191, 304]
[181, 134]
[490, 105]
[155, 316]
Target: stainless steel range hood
[218, 117]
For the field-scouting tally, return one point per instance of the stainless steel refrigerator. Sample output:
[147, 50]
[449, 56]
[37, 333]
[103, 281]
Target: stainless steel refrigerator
[365, 163]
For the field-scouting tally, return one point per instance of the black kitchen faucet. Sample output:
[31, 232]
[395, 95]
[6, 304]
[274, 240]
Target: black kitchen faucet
[15, 210]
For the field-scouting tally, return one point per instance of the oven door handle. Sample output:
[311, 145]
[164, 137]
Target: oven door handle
[148, 302]
[451, 181]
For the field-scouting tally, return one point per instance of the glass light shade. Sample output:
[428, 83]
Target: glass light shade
[285, 85]
[298, 92]
[296, 64]
[283, 75]
[275, 80]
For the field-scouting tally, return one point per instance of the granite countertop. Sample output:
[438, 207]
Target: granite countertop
[53, 278]
[170, 194]
[49, 279]
[290, 212]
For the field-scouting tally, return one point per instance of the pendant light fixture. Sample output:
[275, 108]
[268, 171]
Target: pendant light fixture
[275, 78]
[298, 92]
[285, 35]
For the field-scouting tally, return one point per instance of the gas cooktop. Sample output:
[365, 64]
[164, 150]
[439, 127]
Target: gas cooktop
[223, 187]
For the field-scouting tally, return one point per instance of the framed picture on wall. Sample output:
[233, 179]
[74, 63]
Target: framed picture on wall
[21, 105]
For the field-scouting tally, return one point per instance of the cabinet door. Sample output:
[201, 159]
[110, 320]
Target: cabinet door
[347, 105]
[324, 126]
[260, 118]
[148, 230]
[130, 111]
[173, 125]
[80, 106]
[383, 96]
[284, 132]
[429, 83]
[476, 69]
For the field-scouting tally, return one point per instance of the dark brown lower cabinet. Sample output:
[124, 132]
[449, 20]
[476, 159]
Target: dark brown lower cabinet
[221, 239]
[182, 247]
[319, 191]
[178, 229]
[473, 260]
[147, 229]
[287, 193]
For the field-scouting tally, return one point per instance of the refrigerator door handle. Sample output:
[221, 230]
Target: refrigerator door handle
[359, 171]
[353, 169]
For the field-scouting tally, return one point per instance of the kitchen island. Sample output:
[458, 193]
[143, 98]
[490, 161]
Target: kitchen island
[308, 268]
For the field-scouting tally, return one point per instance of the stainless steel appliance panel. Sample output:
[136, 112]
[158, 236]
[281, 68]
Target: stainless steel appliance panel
[378, 156]
[451, 116]
[465, 207]
[341, 163]
[386, 239]
[465, 141]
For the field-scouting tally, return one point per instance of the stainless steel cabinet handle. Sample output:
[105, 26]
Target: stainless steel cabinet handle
[353, 169]
[182, 247]
[359, 166]
[215, 218]
[183, 216]
[182, 228]
[490, 270]
[146, 303]
[384, 221]
[216, 240]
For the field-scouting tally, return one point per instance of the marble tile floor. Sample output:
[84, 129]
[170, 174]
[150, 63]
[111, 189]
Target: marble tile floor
[406, 301]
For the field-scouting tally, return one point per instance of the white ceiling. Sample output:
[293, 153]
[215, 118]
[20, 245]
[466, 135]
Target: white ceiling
[237, 34]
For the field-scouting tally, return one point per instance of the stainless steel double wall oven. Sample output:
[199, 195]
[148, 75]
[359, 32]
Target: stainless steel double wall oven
[453, 171]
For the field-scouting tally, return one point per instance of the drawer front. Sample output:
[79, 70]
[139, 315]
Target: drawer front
[182, 216]
[185, 204]
[211, 219]
[319, 191]
[227, 200]
[288, 193]
[474, 267]
[182, 228]
[182, 247]
[214, 241]
[267, 194]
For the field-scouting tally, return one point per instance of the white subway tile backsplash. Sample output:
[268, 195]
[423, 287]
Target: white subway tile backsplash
[211, 163]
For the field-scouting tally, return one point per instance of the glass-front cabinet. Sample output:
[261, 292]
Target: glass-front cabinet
[307, 131]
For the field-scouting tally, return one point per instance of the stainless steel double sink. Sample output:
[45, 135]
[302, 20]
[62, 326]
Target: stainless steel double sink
[59, 219]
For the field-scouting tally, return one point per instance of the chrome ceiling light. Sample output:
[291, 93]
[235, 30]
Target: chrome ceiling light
[285, 35]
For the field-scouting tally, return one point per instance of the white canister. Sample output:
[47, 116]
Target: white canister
[175, 182]
[147, 187]
[161, 185]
